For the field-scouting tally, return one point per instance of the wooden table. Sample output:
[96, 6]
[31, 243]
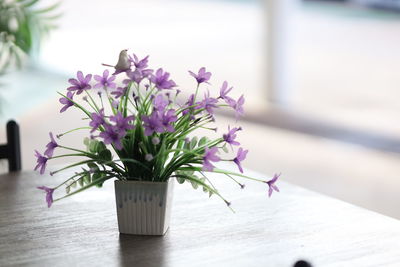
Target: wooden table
[294, 224]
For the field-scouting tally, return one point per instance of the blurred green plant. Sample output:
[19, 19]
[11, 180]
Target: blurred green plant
[23, 24]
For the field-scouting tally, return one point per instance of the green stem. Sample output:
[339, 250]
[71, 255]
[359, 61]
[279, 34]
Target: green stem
[111, 105]
[94, 103]
[73, 130]
[237, 174]
[192, 168]
[77, 105]
[236, 181]
[90, 155]
[126, 99]
[208, 180]
[72, 177]
[73, 165]
[148, 95]
[68, 155]
[197, 90]
[186, 177]
[102, 180]
[101, 101]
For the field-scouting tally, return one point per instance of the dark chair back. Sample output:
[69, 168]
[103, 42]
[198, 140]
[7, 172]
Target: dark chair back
[12, 150]
[302, 263]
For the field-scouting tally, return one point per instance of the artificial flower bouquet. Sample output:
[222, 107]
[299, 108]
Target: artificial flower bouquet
[138, 130]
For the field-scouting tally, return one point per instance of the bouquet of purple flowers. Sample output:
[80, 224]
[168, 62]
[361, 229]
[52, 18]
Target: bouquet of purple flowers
[139, 131]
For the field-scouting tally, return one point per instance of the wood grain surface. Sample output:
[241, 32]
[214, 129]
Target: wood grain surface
[294, 224]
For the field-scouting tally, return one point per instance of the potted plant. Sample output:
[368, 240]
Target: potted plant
[23, 24]
[142, 136]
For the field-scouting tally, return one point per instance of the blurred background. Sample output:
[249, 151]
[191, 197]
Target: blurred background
[320, 79]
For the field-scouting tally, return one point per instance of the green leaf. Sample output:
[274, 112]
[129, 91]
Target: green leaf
[86, 178]
[93, 146]
[105, 155]
[193, 143]
[80, 181]
[203, 141]
[100, 146]
[205, 190]
[93, 167]
[96, 176]
[86, 142]
[93, 183]
[52, 17]
[180, 180]
[195, 185]
[186, 145]
[28, 3]
[200, 182]
[73, 184]
[136, 162]
[225, 149]
[100, 184]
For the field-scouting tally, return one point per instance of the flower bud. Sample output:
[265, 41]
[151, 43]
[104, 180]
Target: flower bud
[149, 157]
[155, 140]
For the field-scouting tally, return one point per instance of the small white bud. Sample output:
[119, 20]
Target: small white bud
[149, 157]
[155, 140]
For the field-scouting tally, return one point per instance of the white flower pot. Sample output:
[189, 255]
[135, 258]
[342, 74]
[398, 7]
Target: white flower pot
[143, 208]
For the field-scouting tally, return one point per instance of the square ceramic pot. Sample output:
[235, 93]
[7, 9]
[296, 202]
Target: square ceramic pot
[143, 208]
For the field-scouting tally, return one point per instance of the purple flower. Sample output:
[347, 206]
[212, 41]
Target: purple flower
[115, 104]
[202, 76]
[237, 106]
[241, 155]
[66, 102]
[160, 103]
[161, 80]
[231, 136]
[81, 84]
[147, 72]
[97, 120]
[122, 123]
[51, 146]
[224, 91]
[112, 135]
[189, 103]
[49, 194]
[41, 162]
[271, 185]
[167, 118]
[152, 124]
[137, 75]
[105, 81]
[208, 103]
[139, 64]
[120, 91]
[209, 155]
